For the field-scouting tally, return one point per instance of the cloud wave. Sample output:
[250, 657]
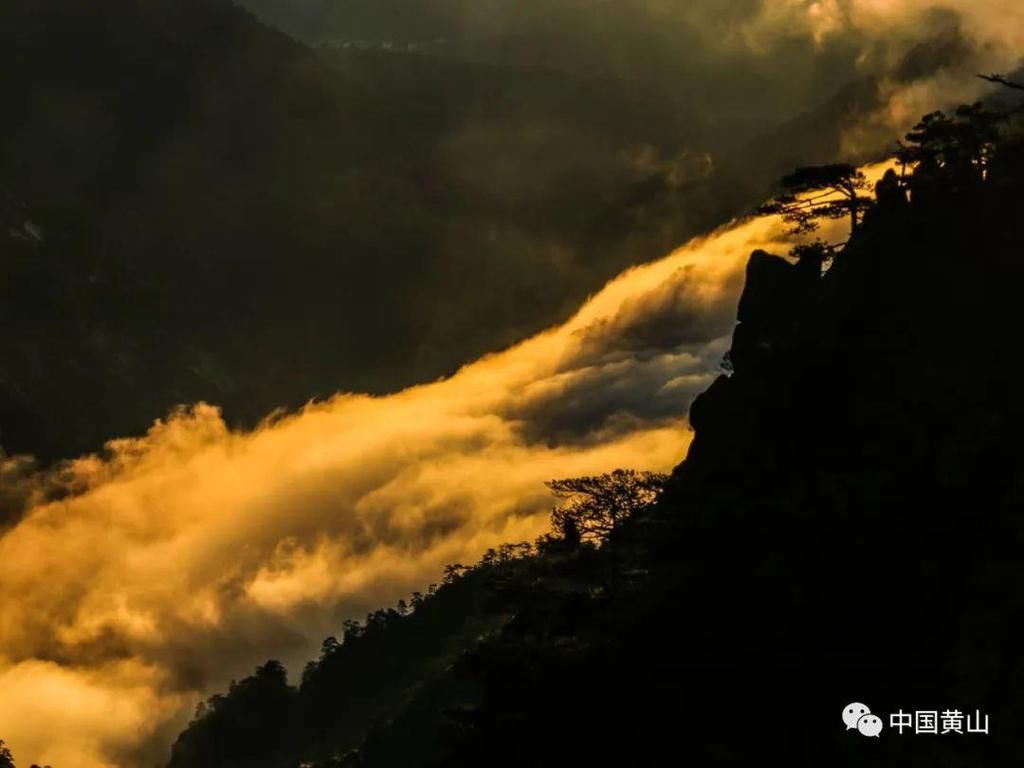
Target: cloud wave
[183, 557]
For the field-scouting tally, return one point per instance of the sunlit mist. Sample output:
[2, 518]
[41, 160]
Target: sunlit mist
[192, 553]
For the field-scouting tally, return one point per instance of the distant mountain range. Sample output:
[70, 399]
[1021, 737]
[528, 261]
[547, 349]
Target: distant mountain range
[197, 207]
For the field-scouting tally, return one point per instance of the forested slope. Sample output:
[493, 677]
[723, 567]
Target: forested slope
[846, 527]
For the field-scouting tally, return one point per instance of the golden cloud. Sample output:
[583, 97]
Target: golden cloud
[184, 557]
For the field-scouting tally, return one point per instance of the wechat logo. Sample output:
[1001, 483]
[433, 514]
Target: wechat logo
[858, 716]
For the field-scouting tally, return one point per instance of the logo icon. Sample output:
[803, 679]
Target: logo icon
[870, 725]
[858, 717]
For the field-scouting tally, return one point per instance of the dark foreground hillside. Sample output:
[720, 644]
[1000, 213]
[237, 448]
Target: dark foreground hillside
[846, 528]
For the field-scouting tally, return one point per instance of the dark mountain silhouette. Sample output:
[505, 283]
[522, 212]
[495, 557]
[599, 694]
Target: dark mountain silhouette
[203, 200]
[191, 206]
[375, 671]
[845, 528]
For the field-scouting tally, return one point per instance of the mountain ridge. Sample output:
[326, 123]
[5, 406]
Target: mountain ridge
[821, 542]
